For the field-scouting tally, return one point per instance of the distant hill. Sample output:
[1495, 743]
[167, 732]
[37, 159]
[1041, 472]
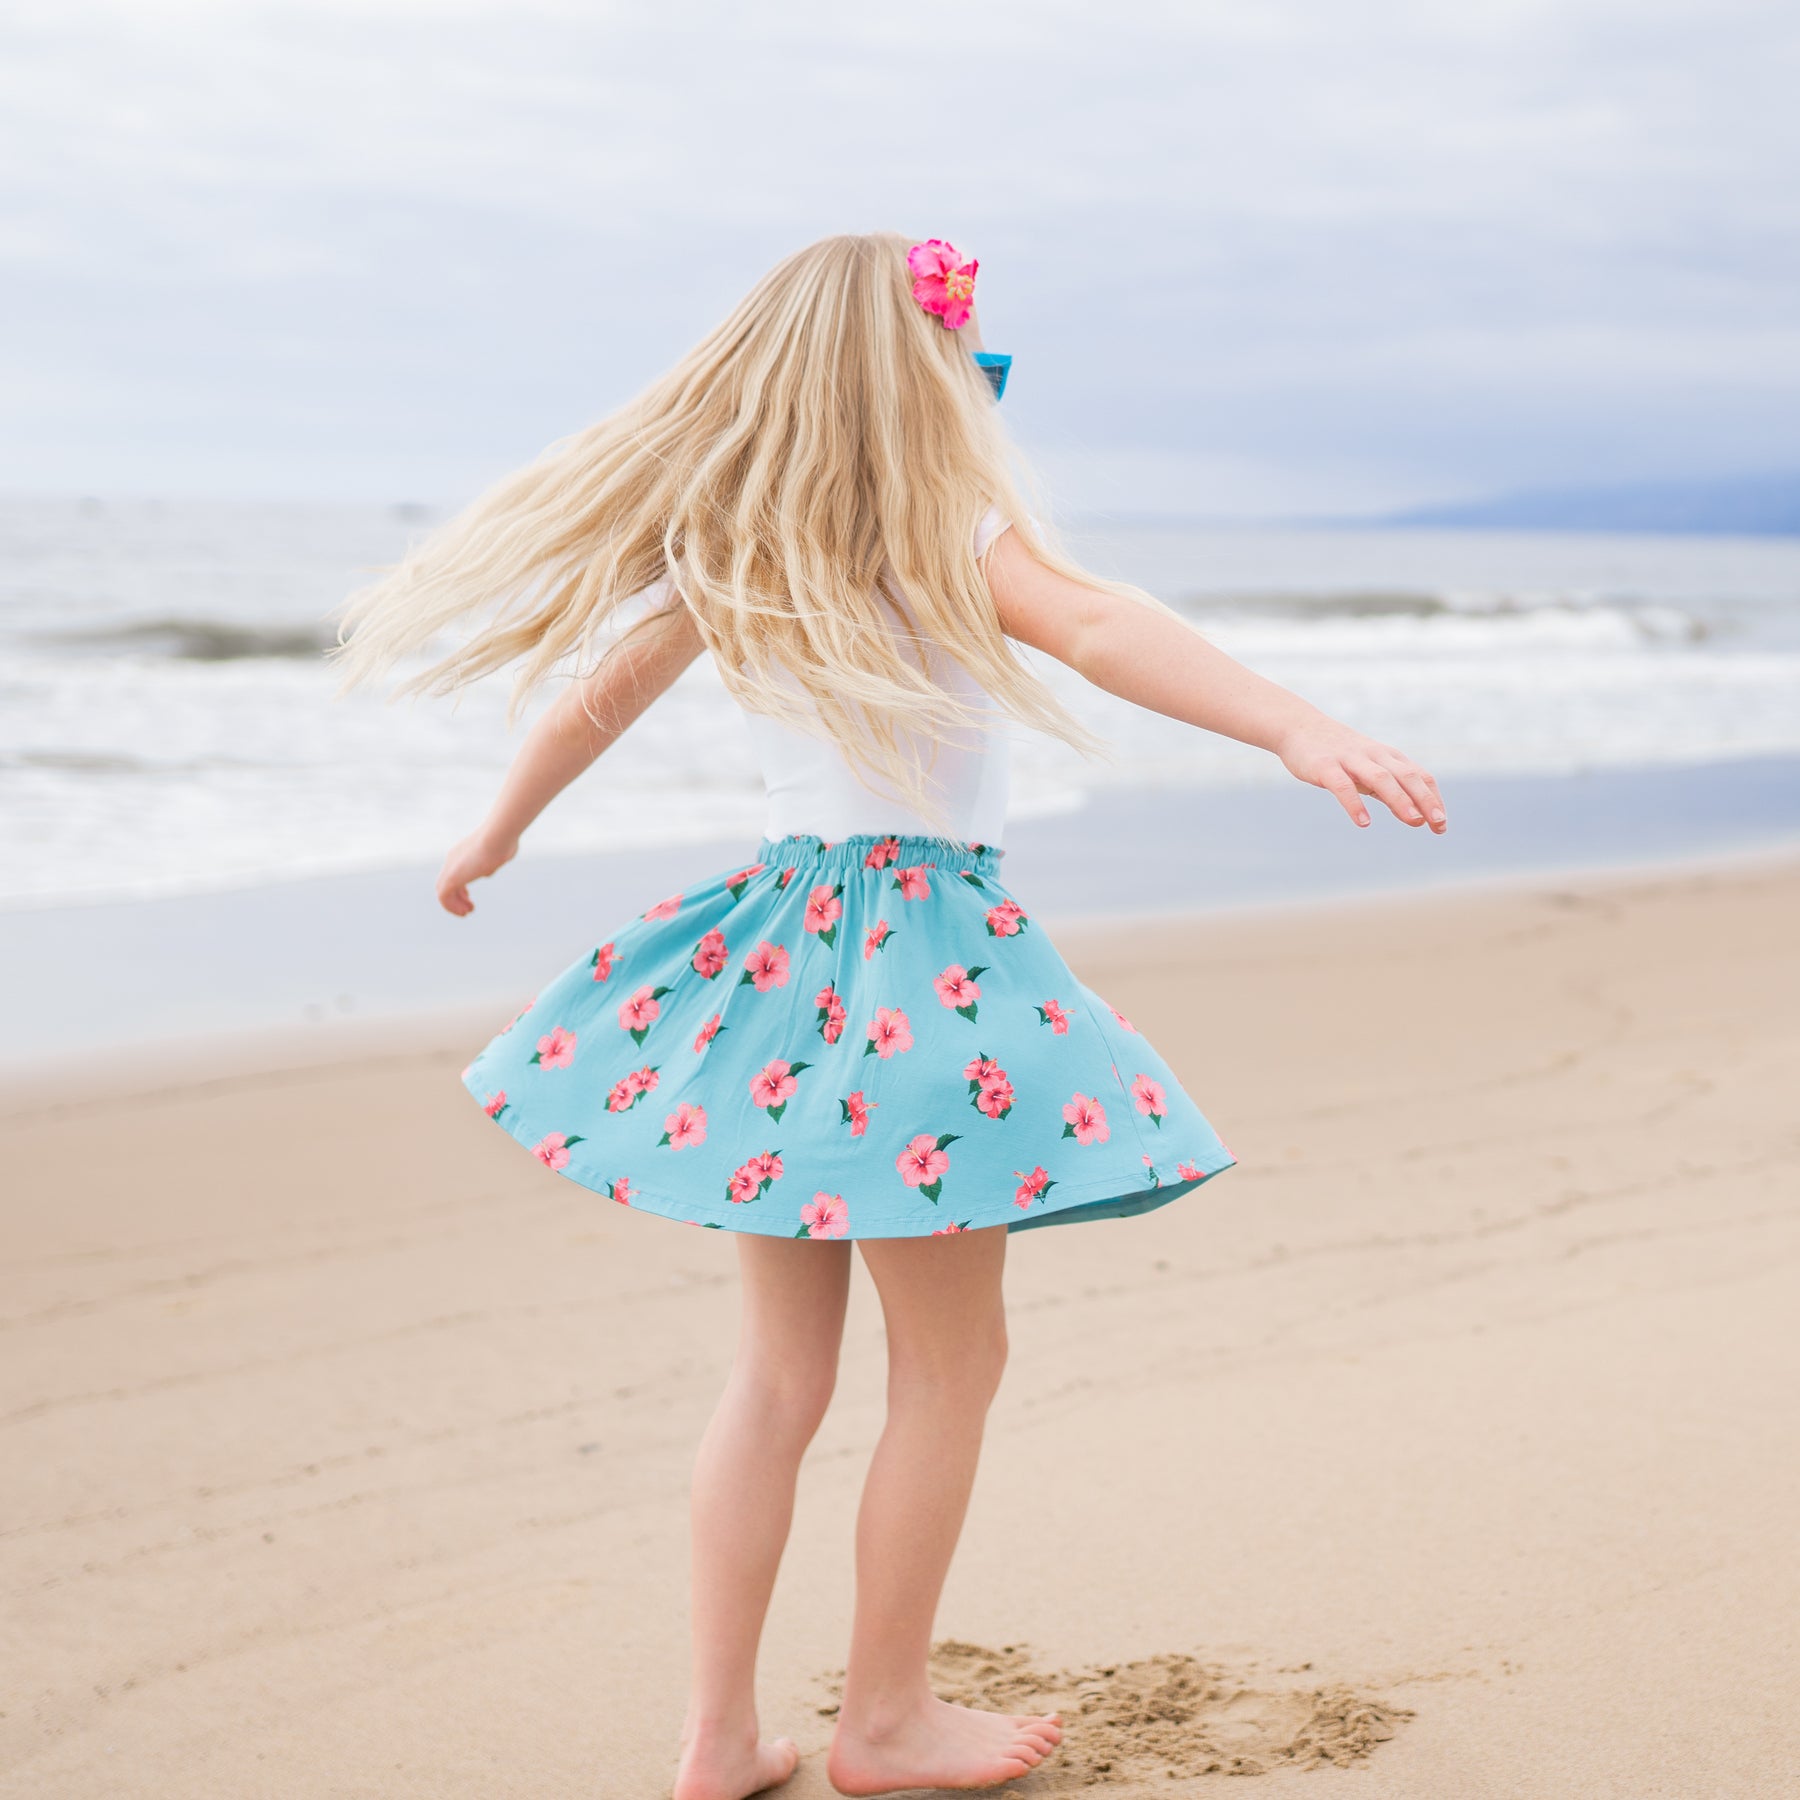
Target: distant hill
[1751, 506]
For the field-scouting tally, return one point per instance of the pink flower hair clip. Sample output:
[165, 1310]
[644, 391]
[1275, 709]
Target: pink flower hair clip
[942, 282]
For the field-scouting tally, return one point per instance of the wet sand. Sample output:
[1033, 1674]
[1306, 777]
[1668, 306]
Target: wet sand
[345, 1448]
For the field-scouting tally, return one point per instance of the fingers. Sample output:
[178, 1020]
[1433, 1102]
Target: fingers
[1418, 786]
[1407, 791]
[1422, 804]
[453, 897]
[1336, 780]
[1372, 778]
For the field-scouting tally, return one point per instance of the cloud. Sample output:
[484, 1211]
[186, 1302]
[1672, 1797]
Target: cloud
[1395, 249]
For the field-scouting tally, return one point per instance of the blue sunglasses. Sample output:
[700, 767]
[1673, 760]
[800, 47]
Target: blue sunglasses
[995, 367]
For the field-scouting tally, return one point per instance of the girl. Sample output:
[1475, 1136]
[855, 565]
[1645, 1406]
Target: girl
[859, 1035]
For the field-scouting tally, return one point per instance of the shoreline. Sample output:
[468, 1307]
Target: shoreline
[195, 1059]
[259, 1052]
[258, 976]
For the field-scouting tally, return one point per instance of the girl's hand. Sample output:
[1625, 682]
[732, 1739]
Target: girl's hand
[478, 855]
[1347, 764]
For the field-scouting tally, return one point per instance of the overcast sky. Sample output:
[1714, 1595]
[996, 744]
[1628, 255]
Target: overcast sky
[1257, 256]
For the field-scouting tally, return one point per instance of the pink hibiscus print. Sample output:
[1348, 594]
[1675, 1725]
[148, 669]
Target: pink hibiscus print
[1033, 1186]
[947, 1230]
[552, 1149]
[824, 1216]
[1188, 1171]
[620, 1190]
[495, 1104]
[923, 1162]
[602, 961]
[877, 938]
[958, 988]
[823, 910]
[889, 1032]
[990, 1089]
[773, 1085]
[710, 954]
[641, 1011]
[913, 883]
[1150, 1098]
[856, 1112]
[831, 1013]
[736, 884]
[996, 1100]
[1086, 1121]
[1005, 920]
[752, 1179]
[881, 854]
[665, 909]
[684, 1126]
[707, 1033]
[787, 875]
[942, 282]
[628, 1090]
[1121, 1018]
[1056, 1016]
[556, 1050]
[766, 967]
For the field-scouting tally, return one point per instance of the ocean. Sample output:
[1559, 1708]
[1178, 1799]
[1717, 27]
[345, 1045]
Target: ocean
[168, 725]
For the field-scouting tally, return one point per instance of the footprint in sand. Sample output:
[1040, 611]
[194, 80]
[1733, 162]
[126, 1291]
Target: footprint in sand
[1166, 1716]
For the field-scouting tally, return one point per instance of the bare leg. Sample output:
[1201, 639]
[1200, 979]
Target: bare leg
[946, 1329]
[794, 1292]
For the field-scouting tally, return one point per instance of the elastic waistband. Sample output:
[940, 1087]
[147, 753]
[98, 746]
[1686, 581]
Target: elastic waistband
[880, 850]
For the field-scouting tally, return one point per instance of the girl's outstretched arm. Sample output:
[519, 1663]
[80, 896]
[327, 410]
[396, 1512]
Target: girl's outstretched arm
[587, 717]
[1157, 661]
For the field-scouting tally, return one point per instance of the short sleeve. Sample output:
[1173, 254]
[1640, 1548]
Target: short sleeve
[989, 527]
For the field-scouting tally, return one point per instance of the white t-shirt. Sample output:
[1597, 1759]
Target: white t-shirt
[812, 787]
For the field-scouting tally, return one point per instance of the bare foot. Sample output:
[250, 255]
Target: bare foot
[940, 1746]
[716, 1769]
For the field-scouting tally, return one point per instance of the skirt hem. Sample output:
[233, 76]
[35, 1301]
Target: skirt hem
[1101, 1199]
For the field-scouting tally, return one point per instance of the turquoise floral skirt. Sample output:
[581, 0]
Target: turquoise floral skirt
[861, 1038]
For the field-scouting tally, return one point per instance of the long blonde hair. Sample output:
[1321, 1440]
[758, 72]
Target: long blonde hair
[829, 437]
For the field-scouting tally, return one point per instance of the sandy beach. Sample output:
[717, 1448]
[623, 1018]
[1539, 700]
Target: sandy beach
[1444, 1448]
